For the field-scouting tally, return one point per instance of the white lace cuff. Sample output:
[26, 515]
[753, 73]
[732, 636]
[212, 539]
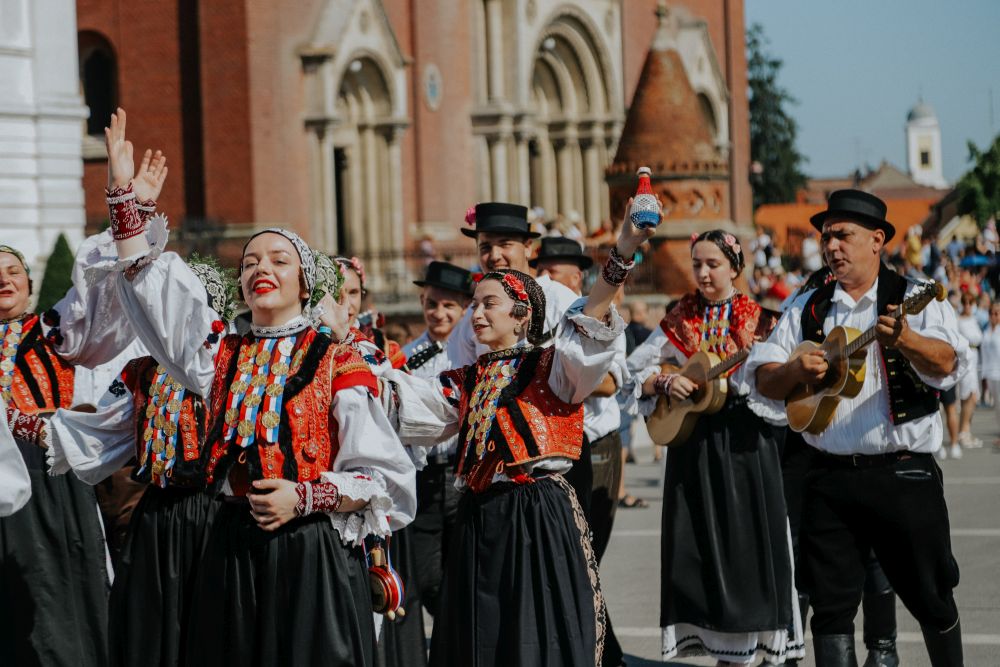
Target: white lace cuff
[367, 485]
[55, 457]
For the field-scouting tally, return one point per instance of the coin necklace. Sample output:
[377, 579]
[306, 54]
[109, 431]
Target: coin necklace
[256, 393]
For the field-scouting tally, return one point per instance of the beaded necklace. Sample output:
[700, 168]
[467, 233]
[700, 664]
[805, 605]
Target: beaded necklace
[159, 433]
[715, 327]
[253, 407]
[493, 376]
[11, 332]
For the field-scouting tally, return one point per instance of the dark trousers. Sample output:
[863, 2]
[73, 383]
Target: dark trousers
[431, 530]
[898, 511]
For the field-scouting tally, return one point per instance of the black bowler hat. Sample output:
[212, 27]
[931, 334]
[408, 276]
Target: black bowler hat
[447, 276]
[857, 206]
[500, 218]
[563, 249]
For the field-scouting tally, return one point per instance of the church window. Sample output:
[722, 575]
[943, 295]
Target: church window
[98, 73]
[925, 158]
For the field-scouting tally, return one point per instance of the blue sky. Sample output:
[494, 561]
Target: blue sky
[857, 66]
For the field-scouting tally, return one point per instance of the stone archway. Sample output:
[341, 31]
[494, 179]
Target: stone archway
[573, 121]
[355, 85]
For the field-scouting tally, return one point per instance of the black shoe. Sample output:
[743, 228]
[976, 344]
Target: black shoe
[944, 648]
[834, 651]
[882, 657]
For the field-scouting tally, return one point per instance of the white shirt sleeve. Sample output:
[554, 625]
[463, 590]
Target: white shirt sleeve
[423, 416]
[92, 444]
[169, 310]
[462, 342]
[91, 323]
[585, 353]
[371, 465]
[644, 363]
[938, 321]
[15, 483]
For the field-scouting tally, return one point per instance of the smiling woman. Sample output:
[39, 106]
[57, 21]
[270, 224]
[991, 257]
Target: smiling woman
[296, 444]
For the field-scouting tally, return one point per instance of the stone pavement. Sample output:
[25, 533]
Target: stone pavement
[631, 567]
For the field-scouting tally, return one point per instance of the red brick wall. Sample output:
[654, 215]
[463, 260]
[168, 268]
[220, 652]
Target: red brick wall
[144, 38]
[225, 87]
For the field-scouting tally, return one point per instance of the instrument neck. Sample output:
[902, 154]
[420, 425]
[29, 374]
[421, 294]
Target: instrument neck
[728, 364]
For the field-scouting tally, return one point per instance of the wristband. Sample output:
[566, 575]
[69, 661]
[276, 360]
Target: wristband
[26, 428]
[125, 219]
[616, 269]
[146, 209]
[317, 496]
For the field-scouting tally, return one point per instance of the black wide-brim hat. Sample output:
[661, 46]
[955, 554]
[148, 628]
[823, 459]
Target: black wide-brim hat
[857, 206]
[449, 277]
[501, 218]
[562, 249]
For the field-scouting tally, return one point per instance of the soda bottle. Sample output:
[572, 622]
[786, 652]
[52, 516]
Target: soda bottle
[645, 211]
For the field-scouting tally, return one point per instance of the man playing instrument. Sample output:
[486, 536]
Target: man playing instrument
[874, 483]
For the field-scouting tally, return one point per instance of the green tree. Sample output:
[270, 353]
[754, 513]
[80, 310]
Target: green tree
[979, 188]
[58, 277]
[776, 174]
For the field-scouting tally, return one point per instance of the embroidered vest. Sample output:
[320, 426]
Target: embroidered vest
[529, 422]
[909, 397]
[174, 446]
[307, 432]
[39, 381]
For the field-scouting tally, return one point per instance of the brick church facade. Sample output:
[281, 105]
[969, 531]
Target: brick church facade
[369, 124]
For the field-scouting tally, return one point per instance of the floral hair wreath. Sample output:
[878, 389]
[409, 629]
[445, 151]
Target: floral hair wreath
[728, 244]
[355, 265]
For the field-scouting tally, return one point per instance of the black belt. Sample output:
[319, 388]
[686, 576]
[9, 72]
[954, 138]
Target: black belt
[867, 460]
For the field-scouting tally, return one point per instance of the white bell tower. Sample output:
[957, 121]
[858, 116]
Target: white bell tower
[923, 146]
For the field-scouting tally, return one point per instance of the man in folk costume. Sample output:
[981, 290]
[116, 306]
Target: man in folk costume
[563, 260]
[446, 290]
[503, 239]
[873, 483]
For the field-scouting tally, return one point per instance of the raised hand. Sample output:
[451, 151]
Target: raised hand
[631, 237]
[121, 166]
[148, 181]
[336, 315]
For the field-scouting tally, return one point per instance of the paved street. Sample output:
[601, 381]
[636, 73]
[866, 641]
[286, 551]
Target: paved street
[631, 570]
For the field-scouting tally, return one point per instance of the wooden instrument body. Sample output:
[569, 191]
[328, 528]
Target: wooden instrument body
[811, 407]
[672, 423]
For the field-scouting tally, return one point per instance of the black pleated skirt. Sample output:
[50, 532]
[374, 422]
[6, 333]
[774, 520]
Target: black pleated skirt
[402, 642]
[151, 597]
[725, 552]
[54, 578]
[521, 587]
[296, 596]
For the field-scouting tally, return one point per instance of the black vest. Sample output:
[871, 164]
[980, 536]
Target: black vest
[909, 397]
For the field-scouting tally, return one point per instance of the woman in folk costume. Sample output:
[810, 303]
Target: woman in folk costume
[726, 586]
[154, 421]
[369, 323]
[401, 641]
[521, 586]
[298, 447]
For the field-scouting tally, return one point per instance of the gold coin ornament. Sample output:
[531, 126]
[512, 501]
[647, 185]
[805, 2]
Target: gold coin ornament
[245, 428]
[16, 327]
[170, 429]
[263, 357]
[150, 410]
[174, 406]
[158, 421]
[170, 452]
[252, 401]
[12, 339]
[286, 346]
[6, 381]
[280, 368]
[158, 467]
[147, 435]
[238, 387]
[270, 419]
[274, 390]
[6, 365]
[231, 415]
[258, 381]
[245, 367]
[158, 446]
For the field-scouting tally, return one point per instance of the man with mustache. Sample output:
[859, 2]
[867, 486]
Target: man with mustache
[873, 483]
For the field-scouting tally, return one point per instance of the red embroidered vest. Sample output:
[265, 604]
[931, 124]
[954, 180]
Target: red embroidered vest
[307, 442]
[41, 380]
[138, 376]
[530, 422]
